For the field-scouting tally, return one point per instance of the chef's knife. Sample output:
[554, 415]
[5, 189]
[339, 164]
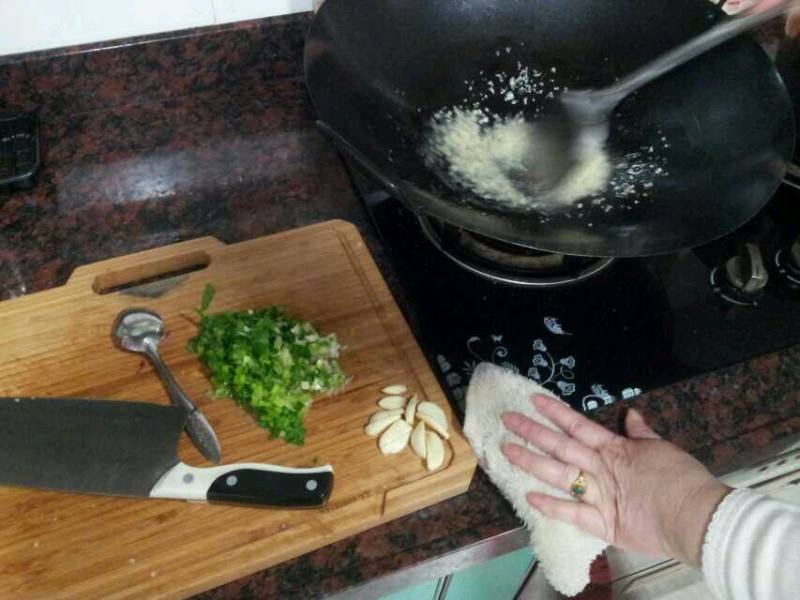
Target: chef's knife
[130, 449]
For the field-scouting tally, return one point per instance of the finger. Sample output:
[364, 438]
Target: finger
[637, 428]
[793, 22]
[545, 469]
[572, 423]
[582, 515]
[763, 5]
[567, 450]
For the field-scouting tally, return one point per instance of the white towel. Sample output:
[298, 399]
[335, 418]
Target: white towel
[565, 553]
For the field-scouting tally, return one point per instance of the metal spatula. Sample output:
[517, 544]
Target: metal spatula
[581, 118]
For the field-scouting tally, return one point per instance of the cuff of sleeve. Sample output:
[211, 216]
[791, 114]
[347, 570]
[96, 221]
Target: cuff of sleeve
[714, 554]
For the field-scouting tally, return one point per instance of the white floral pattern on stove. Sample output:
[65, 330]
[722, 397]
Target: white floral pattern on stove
[556, 373]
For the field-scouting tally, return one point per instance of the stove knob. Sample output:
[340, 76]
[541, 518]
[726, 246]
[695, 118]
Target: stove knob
[794, 255]
[746, 271]
[742, 278]
[788, 263]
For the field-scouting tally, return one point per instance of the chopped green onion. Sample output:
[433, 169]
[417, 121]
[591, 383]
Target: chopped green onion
[268, 362]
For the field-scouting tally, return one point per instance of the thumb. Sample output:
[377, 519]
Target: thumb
[637, 428]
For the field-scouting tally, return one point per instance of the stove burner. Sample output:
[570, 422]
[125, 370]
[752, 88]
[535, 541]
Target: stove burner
[508, 263]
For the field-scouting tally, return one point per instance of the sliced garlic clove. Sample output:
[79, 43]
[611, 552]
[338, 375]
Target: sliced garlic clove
[432, 410]
[435, 416]
[440, 428]
[394, 390]
[418, 440]
[384, 414]
[380, 422]
[395, 439]
[392, 402]
[411, 410]
[435, 451]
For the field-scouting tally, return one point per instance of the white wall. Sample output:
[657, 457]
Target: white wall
[27, 25]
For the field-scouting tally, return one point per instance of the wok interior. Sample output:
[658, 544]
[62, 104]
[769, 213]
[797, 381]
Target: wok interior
[726, 114]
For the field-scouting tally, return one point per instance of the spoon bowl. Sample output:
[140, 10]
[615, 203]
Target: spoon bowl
[135, 330]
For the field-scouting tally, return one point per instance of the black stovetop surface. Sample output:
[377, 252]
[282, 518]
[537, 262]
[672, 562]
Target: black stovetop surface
[641, 324]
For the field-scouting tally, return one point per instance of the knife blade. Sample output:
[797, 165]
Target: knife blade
[130, 449]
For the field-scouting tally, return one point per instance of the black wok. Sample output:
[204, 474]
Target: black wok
[378, 69]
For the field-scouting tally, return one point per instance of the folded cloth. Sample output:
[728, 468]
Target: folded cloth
[565, 553]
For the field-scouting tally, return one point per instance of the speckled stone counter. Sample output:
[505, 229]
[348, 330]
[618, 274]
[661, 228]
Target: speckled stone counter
[211, 133]
[152, 143]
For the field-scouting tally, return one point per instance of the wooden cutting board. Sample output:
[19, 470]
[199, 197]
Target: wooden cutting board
[58, 343]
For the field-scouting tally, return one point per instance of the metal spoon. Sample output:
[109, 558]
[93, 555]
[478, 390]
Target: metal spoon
[581, 118]
[140, 330]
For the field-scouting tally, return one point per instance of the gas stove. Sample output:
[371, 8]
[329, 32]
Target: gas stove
[594, 331]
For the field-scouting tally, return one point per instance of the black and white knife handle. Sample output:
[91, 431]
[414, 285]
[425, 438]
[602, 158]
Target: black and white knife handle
[251, 484]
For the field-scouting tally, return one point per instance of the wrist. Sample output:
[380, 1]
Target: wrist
[694, 516]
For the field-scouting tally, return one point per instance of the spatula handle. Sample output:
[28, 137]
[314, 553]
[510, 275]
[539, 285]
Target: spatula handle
[197, 426]
[724, 31]
[250, 484]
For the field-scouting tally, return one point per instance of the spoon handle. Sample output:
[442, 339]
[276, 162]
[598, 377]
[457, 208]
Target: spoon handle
[197, 426]
[711, 38]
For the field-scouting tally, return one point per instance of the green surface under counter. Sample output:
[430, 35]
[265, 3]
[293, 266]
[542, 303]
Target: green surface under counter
[496, 579]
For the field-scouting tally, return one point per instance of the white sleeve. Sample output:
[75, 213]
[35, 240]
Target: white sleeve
[752, 548]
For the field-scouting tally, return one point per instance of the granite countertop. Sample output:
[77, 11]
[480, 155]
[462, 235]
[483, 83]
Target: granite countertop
[212, 133]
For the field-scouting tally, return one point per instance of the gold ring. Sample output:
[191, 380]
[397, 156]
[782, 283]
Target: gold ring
[578, 487]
